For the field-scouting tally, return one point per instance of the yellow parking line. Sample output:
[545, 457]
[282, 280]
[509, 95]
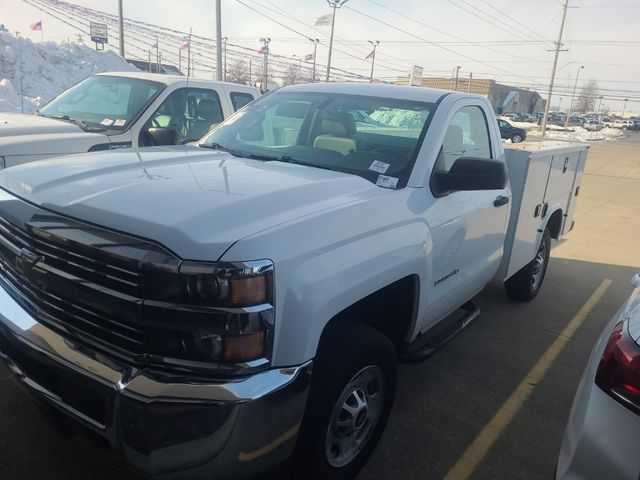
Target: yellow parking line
[476, 452]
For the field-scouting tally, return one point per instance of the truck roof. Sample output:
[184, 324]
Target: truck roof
[418, 94]
[170, 79]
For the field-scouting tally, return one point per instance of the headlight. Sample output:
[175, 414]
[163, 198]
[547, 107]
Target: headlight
[218, 313]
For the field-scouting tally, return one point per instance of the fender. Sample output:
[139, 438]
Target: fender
[320, 265]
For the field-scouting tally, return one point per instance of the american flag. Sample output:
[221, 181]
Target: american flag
[36, 26]
[184, 46]
[264, 49]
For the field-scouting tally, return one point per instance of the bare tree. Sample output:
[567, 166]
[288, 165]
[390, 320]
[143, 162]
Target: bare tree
[292, 76]
[239, 72]
[586, 100]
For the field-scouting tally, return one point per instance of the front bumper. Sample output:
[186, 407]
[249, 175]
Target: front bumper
[164, 425]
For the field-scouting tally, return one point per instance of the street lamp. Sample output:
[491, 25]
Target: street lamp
[566, 121]
[457, 69]
[225, 58]
[315, 41]
[373, 57]
[624, 107]
[599, 105]
[335, 4]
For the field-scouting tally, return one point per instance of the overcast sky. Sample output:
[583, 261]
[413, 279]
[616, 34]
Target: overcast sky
[499, 39]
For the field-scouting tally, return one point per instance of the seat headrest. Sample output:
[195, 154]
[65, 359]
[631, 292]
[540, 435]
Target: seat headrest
[209, 110]
[340, 124]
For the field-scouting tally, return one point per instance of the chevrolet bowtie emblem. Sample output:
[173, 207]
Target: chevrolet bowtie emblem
[26, 260]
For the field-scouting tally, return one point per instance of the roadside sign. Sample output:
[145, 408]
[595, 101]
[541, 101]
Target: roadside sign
[416, 76]
[98, 32]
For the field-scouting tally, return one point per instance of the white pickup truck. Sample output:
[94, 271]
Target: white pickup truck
[120, 110]
[214, 310]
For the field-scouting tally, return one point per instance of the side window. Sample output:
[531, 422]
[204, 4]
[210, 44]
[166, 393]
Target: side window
[239, 100]
[467, 136]
[186, 115]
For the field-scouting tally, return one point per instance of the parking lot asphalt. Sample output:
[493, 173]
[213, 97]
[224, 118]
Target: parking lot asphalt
[450, 402]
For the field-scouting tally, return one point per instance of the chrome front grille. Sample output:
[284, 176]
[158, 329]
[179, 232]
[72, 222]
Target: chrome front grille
[80, 280]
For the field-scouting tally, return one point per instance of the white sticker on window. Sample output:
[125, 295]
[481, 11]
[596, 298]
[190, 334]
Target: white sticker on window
[119, 122]
[386, 182]
[106, 122]
[379, 167]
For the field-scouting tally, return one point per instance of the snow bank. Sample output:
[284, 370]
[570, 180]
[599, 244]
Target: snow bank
[582, 135]
[572, 133]
[47, 69]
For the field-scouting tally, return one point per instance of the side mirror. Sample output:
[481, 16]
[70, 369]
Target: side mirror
[635, 281]
[163, 136]
[470, 173]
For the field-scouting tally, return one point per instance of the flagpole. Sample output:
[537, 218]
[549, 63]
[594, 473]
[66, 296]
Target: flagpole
[189, 54]
[334, 4]
[315, 49]
[373, 58]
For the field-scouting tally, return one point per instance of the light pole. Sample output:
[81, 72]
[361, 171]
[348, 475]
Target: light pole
[224, 75]
[624, 107]
[265, 50]
[373, 58]
[599, 105]
[218, 41]
[335, 4]
[121, 27]
[573, 94]
[457, 69]
[315, 41]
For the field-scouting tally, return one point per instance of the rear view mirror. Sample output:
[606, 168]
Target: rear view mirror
[163, 136]
[470, 173]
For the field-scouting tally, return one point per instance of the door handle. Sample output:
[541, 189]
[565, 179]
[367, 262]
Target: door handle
[501, 200]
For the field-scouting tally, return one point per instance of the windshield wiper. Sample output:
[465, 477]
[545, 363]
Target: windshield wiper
[79, 123]
[260, 156]
[217, 146]
[287, 159]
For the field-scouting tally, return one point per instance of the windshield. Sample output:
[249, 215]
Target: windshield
[375, 138]
[104, 102]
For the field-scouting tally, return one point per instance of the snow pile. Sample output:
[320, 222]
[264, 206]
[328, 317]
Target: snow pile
[581, 135]
[47, 69]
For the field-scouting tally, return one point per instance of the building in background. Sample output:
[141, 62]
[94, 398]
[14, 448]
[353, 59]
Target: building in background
[503, 98]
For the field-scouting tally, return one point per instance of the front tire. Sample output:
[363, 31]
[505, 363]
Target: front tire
[517, 138]
[352, 391]
[526, 284]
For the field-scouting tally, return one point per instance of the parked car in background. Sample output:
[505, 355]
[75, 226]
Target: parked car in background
[603, 432]
[109, 111]
[593, 125]
[509, 132]
[576, 121]
[623, 124]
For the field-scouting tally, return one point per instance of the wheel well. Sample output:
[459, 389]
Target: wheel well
[555, 224]
[391, 310]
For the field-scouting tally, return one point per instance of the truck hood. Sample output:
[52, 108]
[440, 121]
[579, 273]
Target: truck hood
[196, 202]
[22, 134]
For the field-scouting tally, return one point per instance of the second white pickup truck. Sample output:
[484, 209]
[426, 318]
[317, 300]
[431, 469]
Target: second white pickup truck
[214, 310]
[110, 111]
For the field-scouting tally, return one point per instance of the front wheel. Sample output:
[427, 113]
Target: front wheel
[517, 138]
[526, 284]
[352, 390]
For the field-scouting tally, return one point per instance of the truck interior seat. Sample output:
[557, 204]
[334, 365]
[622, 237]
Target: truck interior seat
[336, 131]
[209, 114]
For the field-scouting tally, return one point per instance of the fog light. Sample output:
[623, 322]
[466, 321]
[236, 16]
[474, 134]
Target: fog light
[242, 348]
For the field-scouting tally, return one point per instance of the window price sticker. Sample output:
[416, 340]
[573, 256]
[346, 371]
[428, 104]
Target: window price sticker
[386, 182]
[380, 167]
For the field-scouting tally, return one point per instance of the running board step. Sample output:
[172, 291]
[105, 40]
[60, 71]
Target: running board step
[434, 339]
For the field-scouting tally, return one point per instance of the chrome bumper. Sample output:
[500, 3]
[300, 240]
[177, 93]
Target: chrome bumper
[164, 425]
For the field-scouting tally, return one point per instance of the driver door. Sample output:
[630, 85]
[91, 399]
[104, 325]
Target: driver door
[467, 227]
